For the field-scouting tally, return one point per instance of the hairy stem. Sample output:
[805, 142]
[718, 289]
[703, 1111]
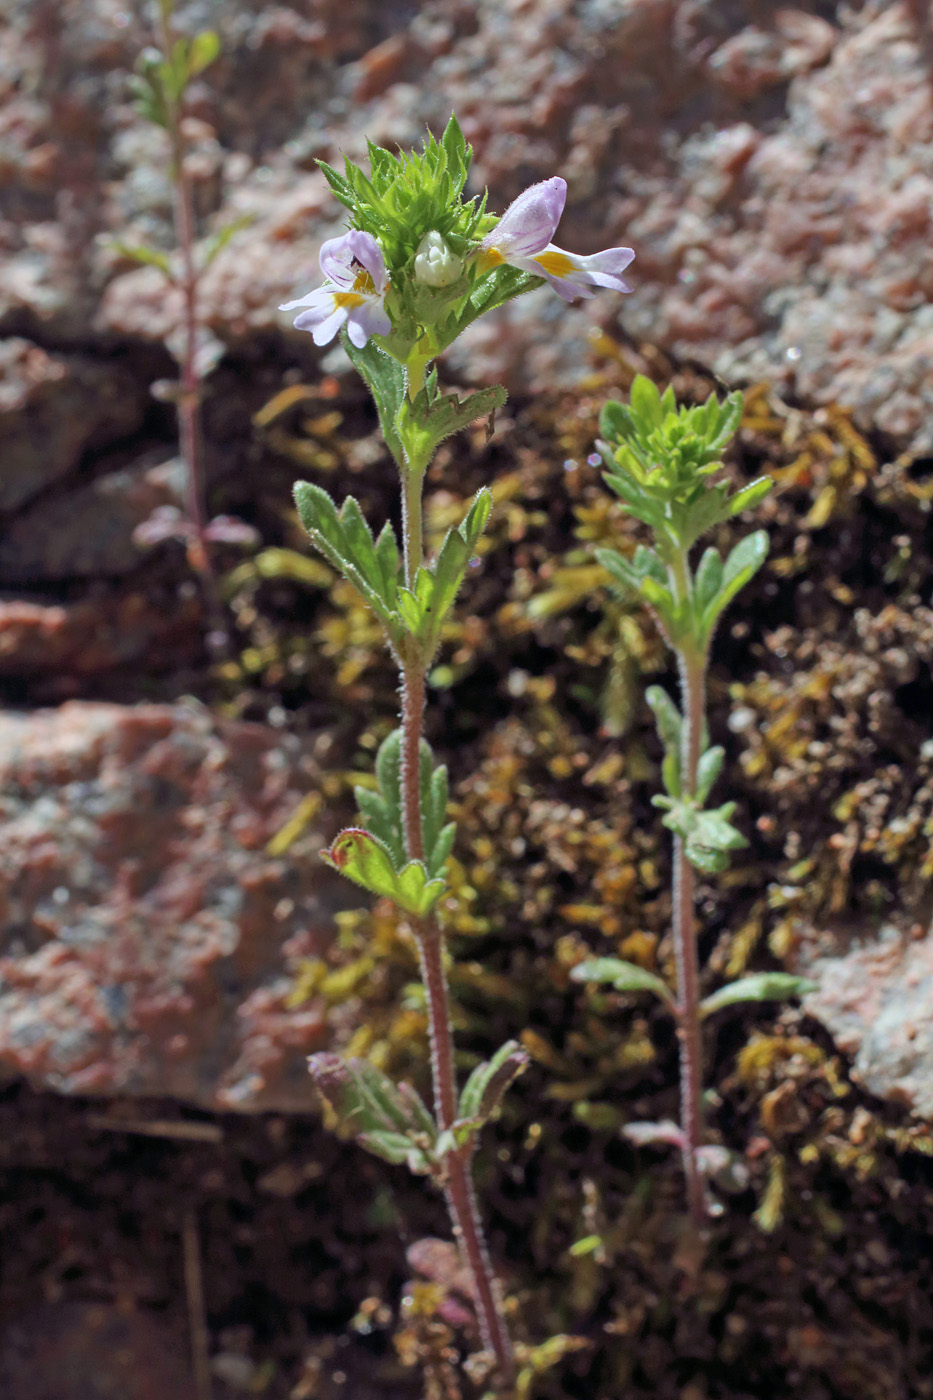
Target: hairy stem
[692, 672]
[461, 1197]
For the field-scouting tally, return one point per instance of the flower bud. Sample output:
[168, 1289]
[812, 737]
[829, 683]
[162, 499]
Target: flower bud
[435, 264]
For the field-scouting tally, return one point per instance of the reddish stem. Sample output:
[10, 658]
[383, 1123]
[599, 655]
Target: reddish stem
[461, 1196]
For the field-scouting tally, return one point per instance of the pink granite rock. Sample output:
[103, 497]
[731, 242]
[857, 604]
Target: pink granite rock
[877, 1002]
[57, 646]
[148, 940]
[53, 409]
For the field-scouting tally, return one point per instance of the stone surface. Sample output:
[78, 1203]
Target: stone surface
[877, 1002]
[148, 940]
[87, 532]
[55, 408]
[62, 644]
[769, 162]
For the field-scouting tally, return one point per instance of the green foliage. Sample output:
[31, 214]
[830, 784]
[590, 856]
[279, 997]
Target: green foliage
[413, 617]
[367, 861]
[760, 986]
[670, 727]
[487, 1086]
[424, 422]
[385, 379]
[405, 197]
[381, 810]
[346, 541]
[708, 834]
[413, 193]
[424, 608]
[624, 977]
[386, 1119]
[659, 457]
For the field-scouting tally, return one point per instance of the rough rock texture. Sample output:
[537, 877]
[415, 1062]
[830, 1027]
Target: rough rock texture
[769, 162]
[55, 408]
[148, 940]
[877, 1001]
[88, 532]
[61, 644]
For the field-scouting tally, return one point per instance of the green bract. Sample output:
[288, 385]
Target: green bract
[407, 196]
[659, 457]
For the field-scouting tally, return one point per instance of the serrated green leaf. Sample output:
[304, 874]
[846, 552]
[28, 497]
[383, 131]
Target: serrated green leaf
[487, 1085]
[366, 860]
[712, 839]
[346, 541]
[387, 557]
[410, 611]
[624, 977]
[647, 564]
[425, 422]
[660, 598]
[760, 986]
[612, 423]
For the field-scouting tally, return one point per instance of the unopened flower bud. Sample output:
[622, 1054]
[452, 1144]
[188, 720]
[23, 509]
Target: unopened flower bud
[435, 264]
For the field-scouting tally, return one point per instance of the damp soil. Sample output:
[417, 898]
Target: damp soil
[815, 1281]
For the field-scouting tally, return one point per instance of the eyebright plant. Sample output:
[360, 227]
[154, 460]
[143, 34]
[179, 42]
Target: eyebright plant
[161, 83]
[418, 265]
[662, 461]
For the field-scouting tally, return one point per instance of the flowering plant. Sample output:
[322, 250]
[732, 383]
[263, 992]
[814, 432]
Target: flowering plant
[418, 265]
[661, 461]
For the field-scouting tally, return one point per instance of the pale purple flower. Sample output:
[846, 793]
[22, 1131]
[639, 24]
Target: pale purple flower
[353, 293]
[522, 238]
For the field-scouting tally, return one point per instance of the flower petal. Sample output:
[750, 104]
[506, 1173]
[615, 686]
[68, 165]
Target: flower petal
[367, 252]
[530, 221]
[321, 296]
[575, 275]
[322, 325]
[369, 319]
[339, 254]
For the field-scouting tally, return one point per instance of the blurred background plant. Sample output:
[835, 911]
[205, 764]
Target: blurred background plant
[162, 80]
